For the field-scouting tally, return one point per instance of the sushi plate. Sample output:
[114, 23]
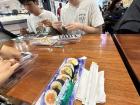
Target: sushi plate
[78, 70]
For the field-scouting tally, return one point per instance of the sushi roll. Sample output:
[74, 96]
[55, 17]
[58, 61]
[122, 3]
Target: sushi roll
[56, 85]
[63, 77]
[56, 90]
[50, 97]
[61, 81]
[72, 61]
[69, 65]
[66, 70]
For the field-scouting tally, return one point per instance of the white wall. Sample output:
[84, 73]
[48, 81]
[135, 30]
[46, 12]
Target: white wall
[13, 4]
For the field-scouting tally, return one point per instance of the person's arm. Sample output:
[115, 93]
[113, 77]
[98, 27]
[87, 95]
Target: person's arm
[54, 23]
[92, 30]
[6, 70]
[58, 12]
[96, 18]
[83, 27]
[57, 25]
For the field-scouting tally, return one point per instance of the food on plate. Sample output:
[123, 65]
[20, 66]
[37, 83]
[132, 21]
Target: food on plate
[66, 70]
[50, 97]
[72, 61]
[63, 77]
[56, 85]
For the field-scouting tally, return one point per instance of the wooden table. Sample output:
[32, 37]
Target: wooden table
[101, 49]
[130, 47]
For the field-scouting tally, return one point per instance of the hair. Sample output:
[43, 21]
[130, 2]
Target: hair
[26, 1]
[112, 6]
[60, 4]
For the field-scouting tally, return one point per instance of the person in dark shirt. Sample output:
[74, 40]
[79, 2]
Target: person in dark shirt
[112, 15]
[130, 22]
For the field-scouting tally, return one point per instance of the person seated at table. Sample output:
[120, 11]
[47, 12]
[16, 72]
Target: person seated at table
[130, 22]
[7, 67]
[39, 18]
[83, 15]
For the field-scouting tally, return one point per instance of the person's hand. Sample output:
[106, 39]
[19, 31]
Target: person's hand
[7, 68]
[57, 25]
[9, 62]
[47, 23]
[40, 24]
[10, 52]
[23, 31]
[40, 27]
[74, 26]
